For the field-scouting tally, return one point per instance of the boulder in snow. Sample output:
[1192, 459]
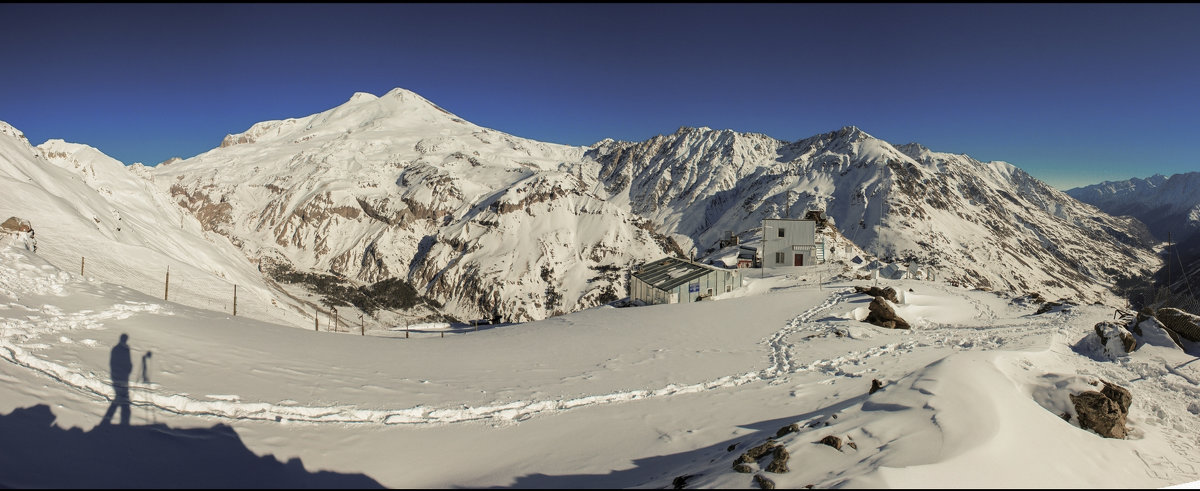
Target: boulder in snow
[792, 428]
[1115, 338]
[874, 291]
[15, 225]
[832, 441]
[779, 459]
[882, 315]
[764, 482]
[1104, 412]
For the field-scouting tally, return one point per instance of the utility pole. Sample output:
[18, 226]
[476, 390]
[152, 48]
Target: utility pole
[81, 261]
[364, 324]
[235, 300]
[316, 320]
[167, 284]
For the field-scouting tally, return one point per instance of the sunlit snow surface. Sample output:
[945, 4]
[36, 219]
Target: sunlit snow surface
[631, 397]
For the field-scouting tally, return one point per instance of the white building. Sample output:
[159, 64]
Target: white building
[791, 242]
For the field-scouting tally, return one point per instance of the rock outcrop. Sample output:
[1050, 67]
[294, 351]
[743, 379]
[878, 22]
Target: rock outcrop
[882, 315]
[832, 441]
[1115, 338]
[874, 291]
[1104, 411]
[15, 224]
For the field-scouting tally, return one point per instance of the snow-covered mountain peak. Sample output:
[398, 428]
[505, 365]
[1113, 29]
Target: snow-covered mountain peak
[362, 97]
[398, 110]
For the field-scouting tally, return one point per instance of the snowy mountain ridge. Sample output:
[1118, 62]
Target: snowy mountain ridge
[987, 224]
[489, 223]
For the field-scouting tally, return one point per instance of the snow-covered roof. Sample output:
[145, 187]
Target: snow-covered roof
[669, 272]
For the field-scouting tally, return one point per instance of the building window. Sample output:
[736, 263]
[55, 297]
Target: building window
[781, 231]
[778, 258]
[710, 292]
[727, 289]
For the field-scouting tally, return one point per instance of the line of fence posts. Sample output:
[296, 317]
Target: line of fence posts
[316, 312]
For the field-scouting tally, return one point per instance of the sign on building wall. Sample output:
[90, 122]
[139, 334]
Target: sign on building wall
[694, 288]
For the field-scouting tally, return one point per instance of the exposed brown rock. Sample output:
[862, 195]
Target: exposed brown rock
[882, 315]
[832, 441]
[761, 450]
[779, 459]
[1108, 330]
[792, 428]
[1104, 412]
[874, 291]
[875, 386]
[14, 224]
[764, 482]
[1119, 394]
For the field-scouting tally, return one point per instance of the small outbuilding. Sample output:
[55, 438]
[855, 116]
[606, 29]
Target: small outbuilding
[674, 280]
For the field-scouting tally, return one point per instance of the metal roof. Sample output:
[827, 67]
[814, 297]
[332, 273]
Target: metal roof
[669, 272]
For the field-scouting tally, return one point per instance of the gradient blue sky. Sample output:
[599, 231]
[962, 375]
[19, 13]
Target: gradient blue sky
[1072, 93]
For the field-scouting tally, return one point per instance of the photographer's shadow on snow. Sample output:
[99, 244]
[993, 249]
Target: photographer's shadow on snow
[38, 454]
[120, 367]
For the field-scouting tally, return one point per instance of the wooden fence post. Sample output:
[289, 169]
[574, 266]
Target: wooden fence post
[316, 320]
[81, 261]
[167, 283]
[235, 300]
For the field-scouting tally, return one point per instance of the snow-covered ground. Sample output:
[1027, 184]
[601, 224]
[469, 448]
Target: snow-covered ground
[632, 397]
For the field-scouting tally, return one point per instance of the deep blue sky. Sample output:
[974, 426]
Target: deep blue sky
[1072, 93]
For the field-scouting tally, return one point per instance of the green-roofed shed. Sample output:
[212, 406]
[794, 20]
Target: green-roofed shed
[673, 280]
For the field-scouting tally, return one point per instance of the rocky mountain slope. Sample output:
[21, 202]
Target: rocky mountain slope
[983, 224]
[394, 186]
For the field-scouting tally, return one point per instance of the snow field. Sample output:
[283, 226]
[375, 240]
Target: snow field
[973, 392]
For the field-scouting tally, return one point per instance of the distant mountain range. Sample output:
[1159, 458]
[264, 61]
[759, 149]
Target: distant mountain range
[487, 223]
[1165, 204]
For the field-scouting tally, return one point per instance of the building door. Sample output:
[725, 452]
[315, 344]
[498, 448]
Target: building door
[674, 298]
[799, 260]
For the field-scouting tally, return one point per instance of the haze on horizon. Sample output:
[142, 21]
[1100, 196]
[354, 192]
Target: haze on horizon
[1074, 94]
